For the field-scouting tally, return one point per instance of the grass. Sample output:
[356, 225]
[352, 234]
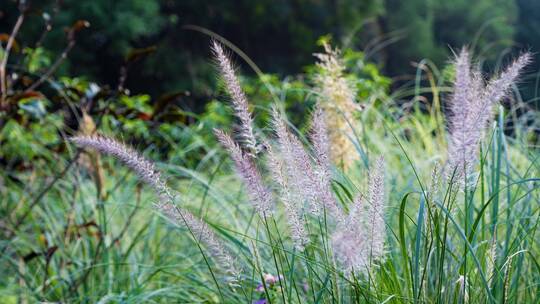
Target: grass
[78, 247]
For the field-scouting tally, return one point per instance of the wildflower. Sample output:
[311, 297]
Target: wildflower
[239, 100]
[471, 106]
[305, 286]
[337, 99]
[271, 279]
[151, 176]
[260, 288]
[260, 301]
[269, 282]
[247, 170]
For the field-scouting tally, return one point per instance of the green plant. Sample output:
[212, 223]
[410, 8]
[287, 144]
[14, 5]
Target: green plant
[449, 241]
[72, 236]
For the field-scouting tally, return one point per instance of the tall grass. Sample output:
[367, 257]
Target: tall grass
[442, 241]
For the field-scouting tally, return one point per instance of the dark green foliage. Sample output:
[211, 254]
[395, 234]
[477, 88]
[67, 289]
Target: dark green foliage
[431, 29]
[280, 37]
[528, 37]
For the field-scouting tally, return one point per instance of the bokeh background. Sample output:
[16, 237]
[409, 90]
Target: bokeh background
[279, 36]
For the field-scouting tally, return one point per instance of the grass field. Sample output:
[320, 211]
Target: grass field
[72, 237]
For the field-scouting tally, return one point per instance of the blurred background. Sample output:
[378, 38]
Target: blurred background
[279, 36]
[152, 56]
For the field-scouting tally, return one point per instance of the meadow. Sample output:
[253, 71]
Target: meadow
[367, 201]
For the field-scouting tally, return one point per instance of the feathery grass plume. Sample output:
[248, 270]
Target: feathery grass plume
[202, 232]
[491, 260]
[319, 139]
[358, 240]
[472, 105]
[308, 183]
[499, 87]
[461, 140]
[337, 99]
[374, 216]
[239, 100]
[246, 169]
[349, 240]
[295, 220]
[145, 169]
[148, 173]
[300, 174]
[434, 184]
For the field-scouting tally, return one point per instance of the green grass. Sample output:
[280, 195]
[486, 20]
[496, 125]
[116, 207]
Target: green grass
[74, 246]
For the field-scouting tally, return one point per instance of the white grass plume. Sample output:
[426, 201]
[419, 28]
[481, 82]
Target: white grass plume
[376, 226]
[358, 241]
[349, 241]
[320, 141]
[294, 218]
[296, 162]
[247, 170]
[239, 100]
[337, 98]
[472, 105]
[203, 234]
[148, 173]
[491, 261]
[144, 169]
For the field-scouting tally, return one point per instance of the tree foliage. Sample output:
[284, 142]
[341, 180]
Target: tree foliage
[432, 29]
[279, 36]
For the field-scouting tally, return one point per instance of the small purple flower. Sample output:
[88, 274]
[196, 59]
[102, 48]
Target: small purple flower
[260, 301]
[305, 286]
[270, 279]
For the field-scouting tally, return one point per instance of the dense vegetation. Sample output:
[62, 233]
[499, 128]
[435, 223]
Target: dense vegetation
[393, 33]
[388, 175]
